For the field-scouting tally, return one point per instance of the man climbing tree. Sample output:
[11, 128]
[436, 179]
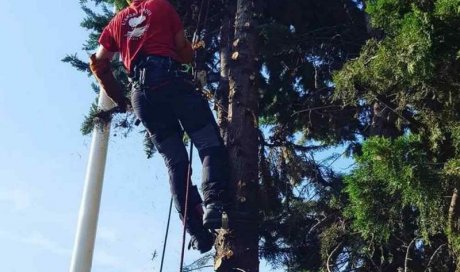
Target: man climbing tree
[273, 102]
[150, 38]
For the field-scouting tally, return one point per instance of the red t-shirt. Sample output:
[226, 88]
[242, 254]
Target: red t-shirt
[146, 27]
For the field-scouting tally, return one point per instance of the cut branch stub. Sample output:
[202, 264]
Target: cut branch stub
[223, 249]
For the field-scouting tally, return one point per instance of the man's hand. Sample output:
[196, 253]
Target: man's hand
[198, 44]
[107, 114]
[101, 68]
[124, 105]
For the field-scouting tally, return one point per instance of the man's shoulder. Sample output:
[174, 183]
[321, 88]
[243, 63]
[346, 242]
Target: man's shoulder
[124, 11]
[148, 4]
[123, 14]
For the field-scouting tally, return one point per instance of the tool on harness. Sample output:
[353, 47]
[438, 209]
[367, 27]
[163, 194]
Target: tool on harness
[224, 221]
[199, 71]
[158, 69]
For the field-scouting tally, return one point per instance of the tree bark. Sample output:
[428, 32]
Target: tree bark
[222, 92]
[452, 216]
[237, 248]
[383, 122]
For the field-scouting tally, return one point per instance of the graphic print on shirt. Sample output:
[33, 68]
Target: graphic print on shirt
[137, 23]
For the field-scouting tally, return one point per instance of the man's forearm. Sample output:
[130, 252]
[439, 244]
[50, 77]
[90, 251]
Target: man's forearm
[102, 71]
[186, 53]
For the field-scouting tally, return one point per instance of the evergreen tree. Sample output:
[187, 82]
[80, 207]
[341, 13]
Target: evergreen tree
[275, 127]
[409, 74]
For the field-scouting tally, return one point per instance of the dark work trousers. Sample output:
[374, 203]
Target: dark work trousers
[166, 103]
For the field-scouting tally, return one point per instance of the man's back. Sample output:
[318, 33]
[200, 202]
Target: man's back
[144, 28]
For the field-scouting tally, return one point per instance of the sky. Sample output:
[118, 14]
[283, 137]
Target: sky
[43, 156]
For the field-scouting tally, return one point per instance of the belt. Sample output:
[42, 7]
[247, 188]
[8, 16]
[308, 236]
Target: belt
[151, 61]
[161, 61]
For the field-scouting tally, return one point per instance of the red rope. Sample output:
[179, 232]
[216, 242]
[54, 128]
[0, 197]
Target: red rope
[189, 172]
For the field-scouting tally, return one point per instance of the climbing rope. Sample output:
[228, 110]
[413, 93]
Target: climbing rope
[166, 235]
[189, 172]
[196, 37]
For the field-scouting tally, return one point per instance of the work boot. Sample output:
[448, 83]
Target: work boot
[213, 216]
[201, 238]
[202, 241]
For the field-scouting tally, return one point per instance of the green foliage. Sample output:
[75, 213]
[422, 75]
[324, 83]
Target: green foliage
[149, 147]
[329, 239]
[91, 120]
[447, 8]
[395, 193]
[413, 66]
[390, 176]
[410, 68]
[77, 63]
[385, 65]
[119, 4]
[298, 53]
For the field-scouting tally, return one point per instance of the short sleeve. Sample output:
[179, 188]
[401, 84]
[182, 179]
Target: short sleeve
[107, 41]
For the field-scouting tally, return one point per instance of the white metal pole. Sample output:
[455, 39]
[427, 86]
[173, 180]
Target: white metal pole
[82, 256]
[89, 209]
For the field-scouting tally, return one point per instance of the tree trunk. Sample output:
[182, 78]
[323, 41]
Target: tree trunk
[222, 92]
[237, 248]
[383, 122]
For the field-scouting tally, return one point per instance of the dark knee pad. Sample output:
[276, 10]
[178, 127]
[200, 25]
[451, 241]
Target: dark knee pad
[173, 151]
[215, 162]
[206, 137]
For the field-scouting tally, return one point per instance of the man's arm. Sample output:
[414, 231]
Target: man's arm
[103, 53]
[101, 68]
[183, 47]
